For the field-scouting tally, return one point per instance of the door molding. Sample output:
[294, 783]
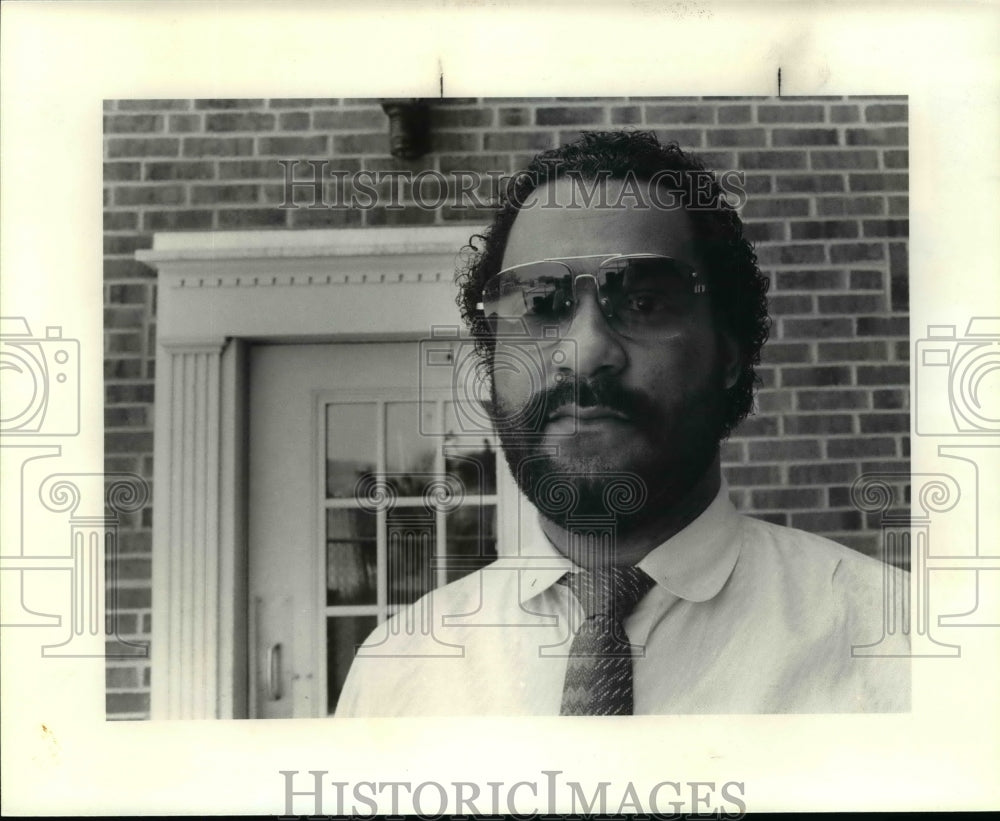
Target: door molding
[218, 292]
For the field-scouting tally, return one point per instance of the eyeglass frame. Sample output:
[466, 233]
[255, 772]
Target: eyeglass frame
[697, 287]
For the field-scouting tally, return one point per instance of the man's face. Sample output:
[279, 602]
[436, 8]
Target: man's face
[651, 408]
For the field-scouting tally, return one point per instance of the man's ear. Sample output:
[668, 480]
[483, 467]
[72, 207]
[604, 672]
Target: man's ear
[732, 361]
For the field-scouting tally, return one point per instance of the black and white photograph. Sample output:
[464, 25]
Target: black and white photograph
[630, 415]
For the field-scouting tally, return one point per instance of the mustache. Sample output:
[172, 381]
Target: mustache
[600, 391]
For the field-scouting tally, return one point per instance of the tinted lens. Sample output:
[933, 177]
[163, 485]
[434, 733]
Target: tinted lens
[647, 293]
[538, 294]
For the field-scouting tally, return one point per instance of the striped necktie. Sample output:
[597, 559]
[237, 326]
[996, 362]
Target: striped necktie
[599, 671]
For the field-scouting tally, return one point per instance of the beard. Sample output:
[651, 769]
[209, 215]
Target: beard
[568, 480]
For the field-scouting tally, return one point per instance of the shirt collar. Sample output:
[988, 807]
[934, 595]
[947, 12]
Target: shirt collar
[693, 564]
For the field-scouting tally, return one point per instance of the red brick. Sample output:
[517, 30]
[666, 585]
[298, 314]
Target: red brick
[519, 116]
[901, 349]
[896, 159]
[843, 399]
[790, 113]
[822, 473]
[129, 244]
[860, 446]
[826, 229]
[791, 255]
[809, 183]
[777, 160]
[885, 423]
[253, 218]
[899, 206]
[891, 399]
[686, 138]
[882, 113]
[679, 114]
[452, 141]
[732, 452]
[803, 136]
[780, 353]
[774, 207]
[847, 159]
[121, 369]
[153, 105]
[844, 114]
[886, 228]
[757, 183]
[574, 115]
[877, 136]
[218, 146]
[883, 326]
[205, 194]
[759, 426]
[786, 498]
[184, 123]
[815, 376]
[753, 475]
[121, 678]
[883, 375]
[126, 417]
[305, 102]
[866, 280]
[121, 171]
[176, 220]
[823, 328]
[129, 442]
[733, 114]
[780, 450]
[879, 182]
[149, 195]
[267, 169]
[120, 220]
[790, 304]
[518, 141]
[134, 569]
[120, 147]
[807, 280]
[818, 424]
[126, 269]
[308, 147]
[125, 703]
[772, 517]
[765, 231]
[850, 206]
[228, 104]
[851, 303]
[133, 123]
[865, 351]
[130, 392]
[773, 400]
[737, 138]
[196, 170]
[294, 121]
[827, 520]
[366, 119]
[240, 121]
[410, 215]
[326, 218]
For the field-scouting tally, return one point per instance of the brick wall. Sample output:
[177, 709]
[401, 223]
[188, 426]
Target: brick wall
[827, 207]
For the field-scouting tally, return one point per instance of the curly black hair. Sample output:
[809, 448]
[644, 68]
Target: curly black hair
[737, 289]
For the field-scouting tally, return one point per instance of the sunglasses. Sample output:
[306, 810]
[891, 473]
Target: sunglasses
[640, 295]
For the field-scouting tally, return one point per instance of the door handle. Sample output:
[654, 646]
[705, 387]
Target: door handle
[274, 672]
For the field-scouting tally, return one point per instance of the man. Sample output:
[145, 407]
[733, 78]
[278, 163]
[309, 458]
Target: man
[636, 588]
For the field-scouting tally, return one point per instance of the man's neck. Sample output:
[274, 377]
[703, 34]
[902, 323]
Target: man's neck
[633, 542]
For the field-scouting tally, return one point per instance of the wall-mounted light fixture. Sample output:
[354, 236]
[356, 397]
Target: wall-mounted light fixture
[409, 127]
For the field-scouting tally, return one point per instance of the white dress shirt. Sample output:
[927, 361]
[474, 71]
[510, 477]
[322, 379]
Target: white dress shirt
[745, 617]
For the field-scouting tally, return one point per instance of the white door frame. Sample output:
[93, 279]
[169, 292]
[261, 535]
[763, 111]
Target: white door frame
[217, 293]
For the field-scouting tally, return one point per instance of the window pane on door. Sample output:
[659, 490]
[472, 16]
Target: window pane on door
[343, 635]
[350, 447]
[411, 534]
[410, 445]
[351, 558]
[469, 457]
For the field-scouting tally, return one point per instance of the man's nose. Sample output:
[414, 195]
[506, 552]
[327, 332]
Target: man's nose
[593, 346]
